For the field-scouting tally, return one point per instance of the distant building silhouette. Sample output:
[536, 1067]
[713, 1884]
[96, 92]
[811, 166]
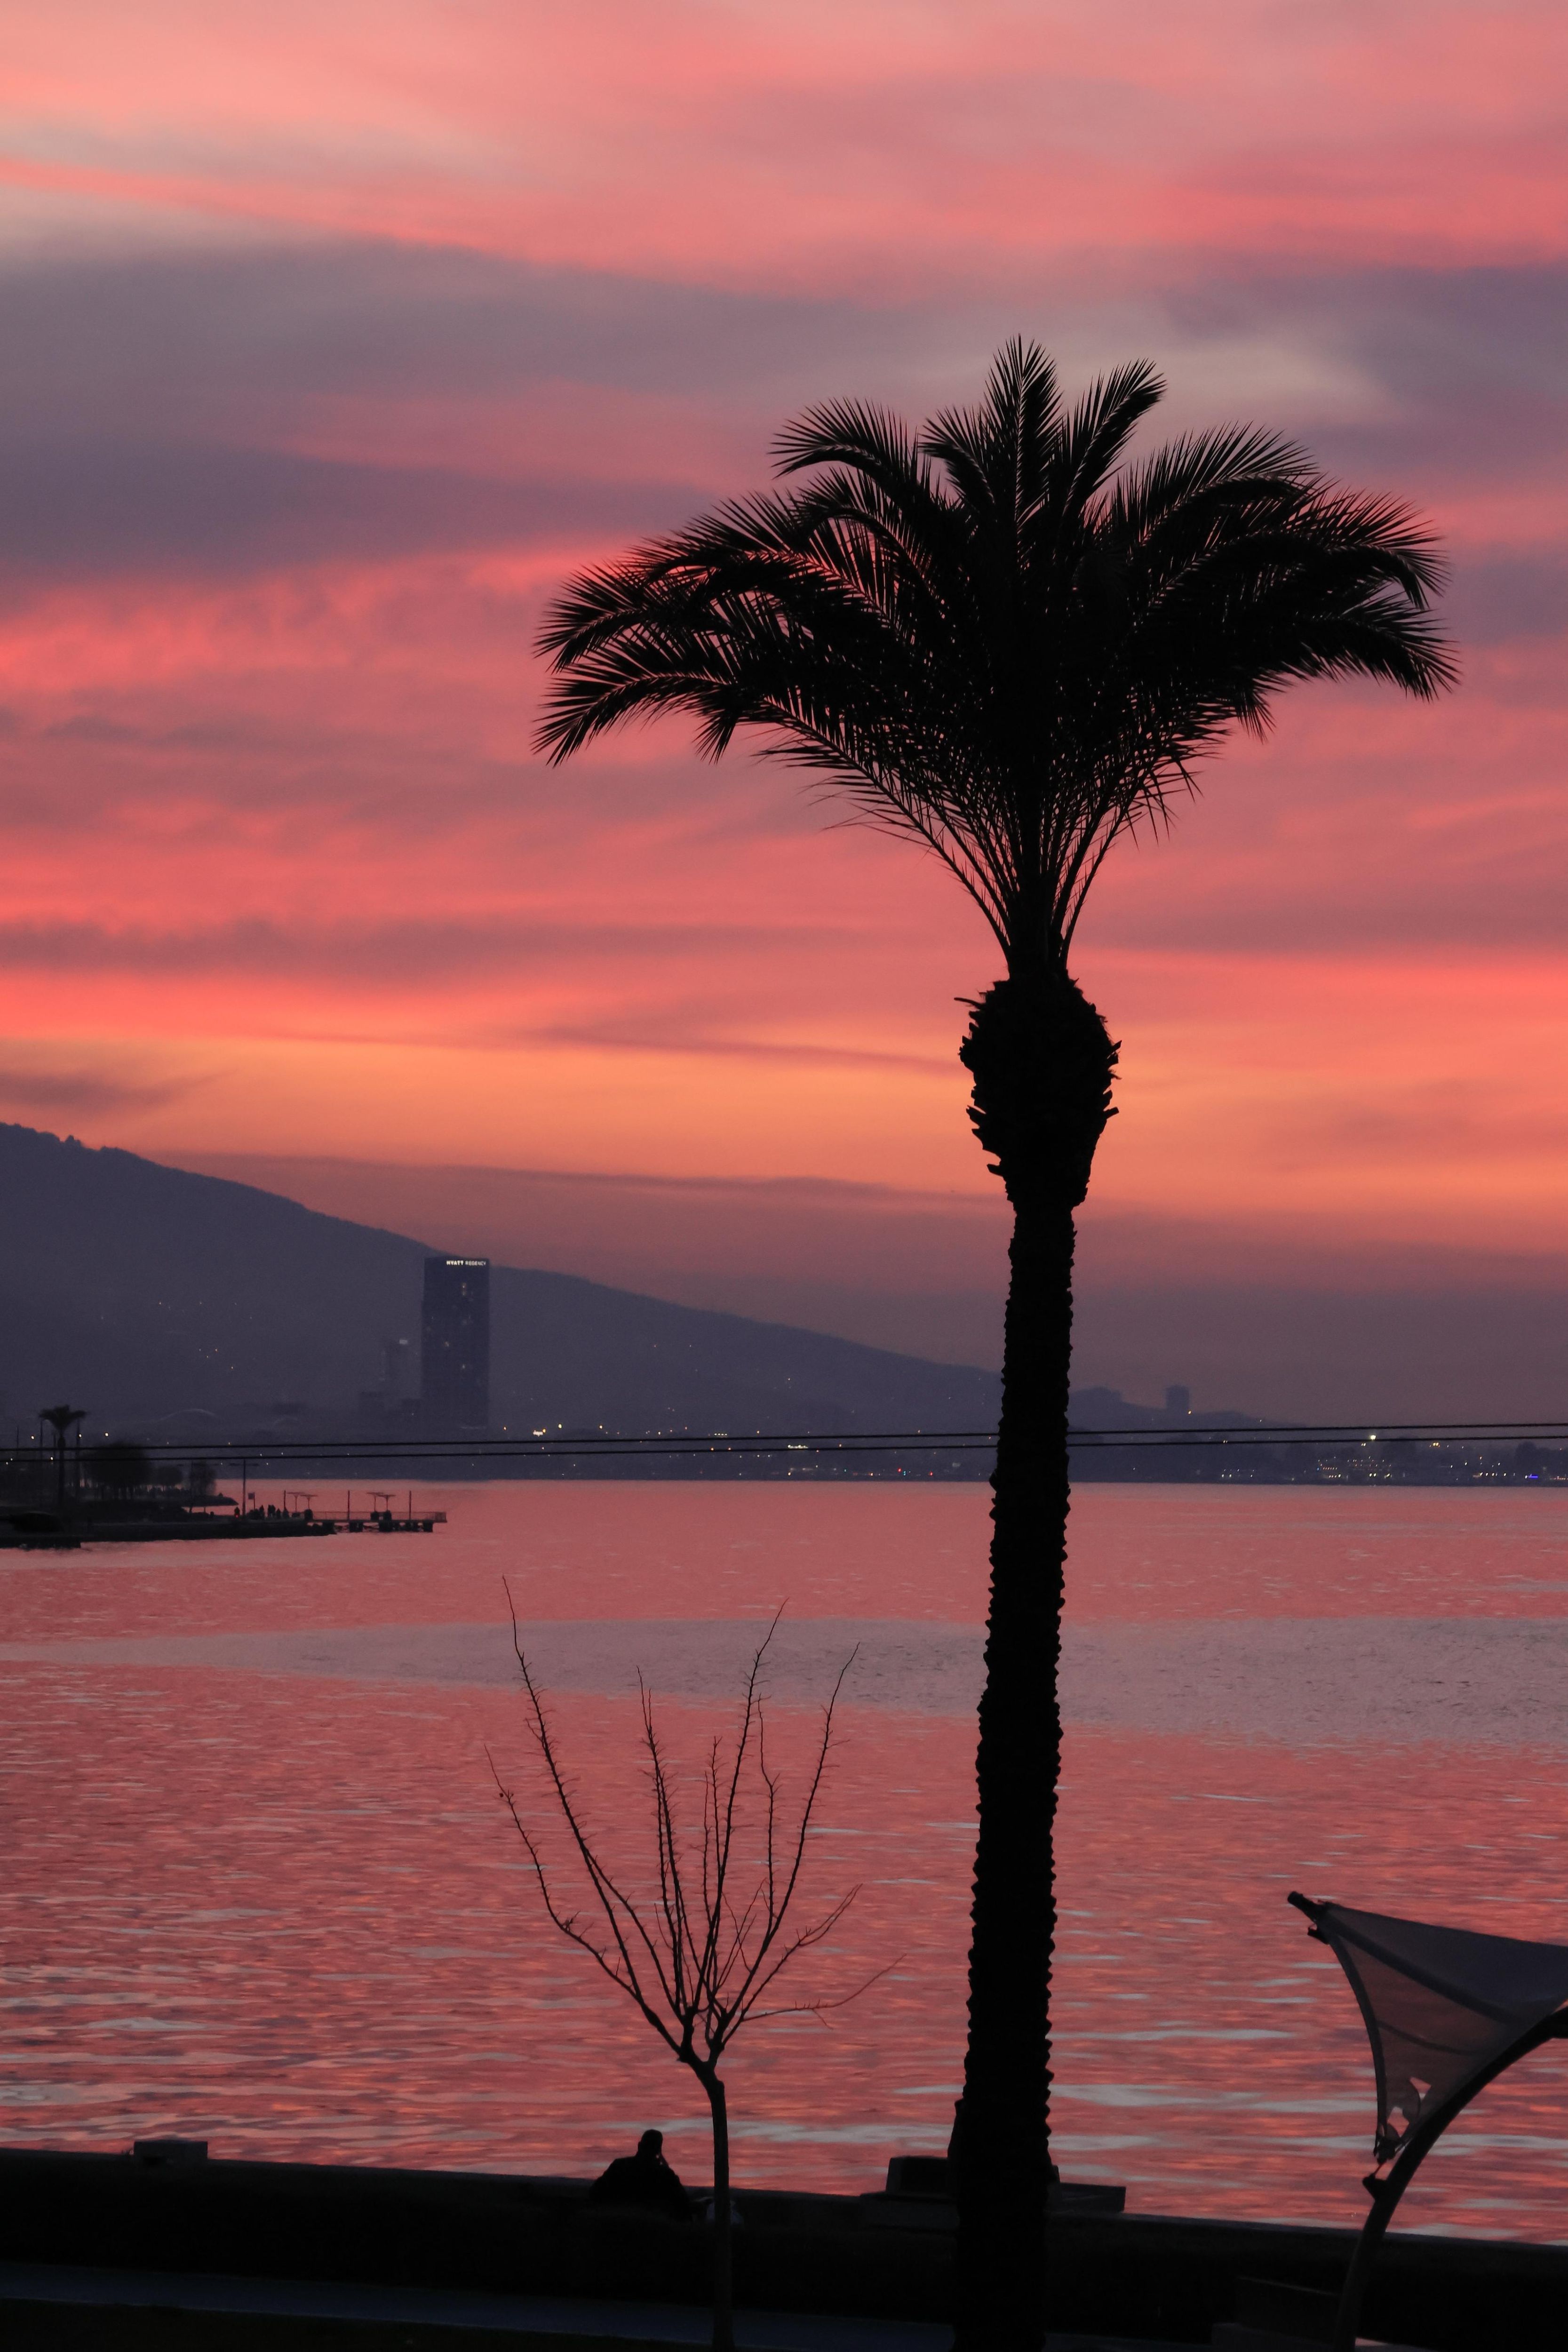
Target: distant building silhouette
[454, 1344]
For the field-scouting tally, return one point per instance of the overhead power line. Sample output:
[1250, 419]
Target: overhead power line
[560, 1445]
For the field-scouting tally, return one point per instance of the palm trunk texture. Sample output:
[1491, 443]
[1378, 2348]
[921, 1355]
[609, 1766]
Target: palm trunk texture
[1041, 1064]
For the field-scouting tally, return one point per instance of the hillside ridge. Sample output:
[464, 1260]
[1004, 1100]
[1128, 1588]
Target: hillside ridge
[148, 1292]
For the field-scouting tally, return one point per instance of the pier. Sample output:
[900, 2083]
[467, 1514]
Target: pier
[31, 1531]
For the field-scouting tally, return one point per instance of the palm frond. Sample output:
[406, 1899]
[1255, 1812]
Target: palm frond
[1096, 434]
[997, 454]
[997, 636]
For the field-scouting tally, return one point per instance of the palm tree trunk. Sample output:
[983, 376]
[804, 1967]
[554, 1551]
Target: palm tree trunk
[723, 2238]
[1041, 1064]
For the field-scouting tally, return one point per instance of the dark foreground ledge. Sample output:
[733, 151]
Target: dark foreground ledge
[1131, 2275]
[1149, 2274]
[885, 2258]
[43, 2309]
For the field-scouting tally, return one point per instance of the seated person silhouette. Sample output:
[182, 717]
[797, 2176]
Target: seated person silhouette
[646, 2179]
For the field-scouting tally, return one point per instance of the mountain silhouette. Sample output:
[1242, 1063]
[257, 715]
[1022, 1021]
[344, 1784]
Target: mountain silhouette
[149, 1294]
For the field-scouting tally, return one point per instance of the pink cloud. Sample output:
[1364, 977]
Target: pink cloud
[448, 316]
[871, 145]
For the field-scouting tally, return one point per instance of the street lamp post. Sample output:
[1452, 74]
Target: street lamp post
[62, 1419]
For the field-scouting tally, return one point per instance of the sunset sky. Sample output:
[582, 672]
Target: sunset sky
[335, 336]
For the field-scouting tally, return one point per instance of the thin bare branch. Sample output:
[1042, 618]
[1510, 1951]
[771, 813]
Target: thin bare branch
[614, 1903]
[822, 2005]
[701, 1957]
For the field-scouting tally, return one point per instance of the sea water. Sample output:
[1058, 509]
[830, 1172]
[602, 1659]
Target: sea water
[259, 1888]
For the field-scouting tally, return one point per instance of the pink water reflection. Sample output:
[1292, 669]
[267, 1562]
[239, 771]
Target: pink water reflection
[281, 1909]
[289, 1916]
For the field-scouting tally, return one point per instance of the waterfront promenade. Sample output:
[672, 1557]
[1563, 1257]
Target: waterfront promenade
[121, 2255]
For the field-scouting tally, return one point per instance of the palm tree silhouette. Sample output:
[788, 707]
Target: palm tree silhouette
[1000, 637]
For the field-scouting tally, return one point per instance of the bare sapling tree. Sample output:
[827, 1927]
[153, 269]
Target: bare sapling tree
[700, 1946]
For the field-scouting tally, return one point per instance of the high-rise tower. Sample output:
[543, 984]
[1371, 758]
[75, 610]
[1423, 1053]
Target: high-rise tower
[454, 1344]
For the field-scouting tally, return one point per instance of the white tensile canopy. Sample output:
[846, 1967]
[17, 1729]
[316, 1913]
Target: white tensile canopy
[1442, 2005]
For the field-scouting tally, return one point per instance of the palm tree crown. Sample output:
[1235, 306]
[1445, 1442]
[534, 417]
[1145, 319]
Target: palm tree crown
[997, 636]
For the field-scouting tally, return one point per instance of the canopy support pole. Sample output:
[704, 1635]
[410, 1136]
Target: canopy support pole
[1385, 2193]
